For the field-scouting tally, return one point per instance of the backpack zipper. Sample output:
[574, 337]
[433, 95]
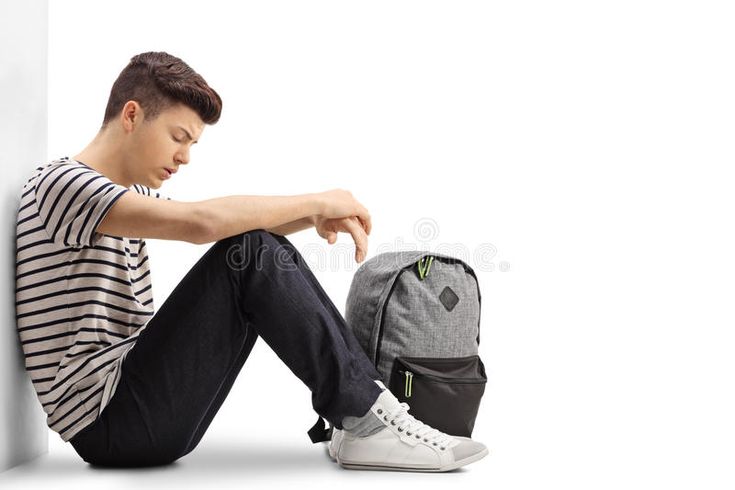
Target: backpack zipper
[428, 377]
[424, 264]
[408, 384]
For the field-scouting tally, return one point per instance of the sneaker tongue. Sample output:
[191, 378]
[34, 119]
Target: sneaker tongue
[388, 400]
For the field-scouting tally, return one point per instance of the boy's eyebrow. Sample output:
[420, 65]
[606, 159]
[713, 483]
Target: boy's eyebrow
[187, 133]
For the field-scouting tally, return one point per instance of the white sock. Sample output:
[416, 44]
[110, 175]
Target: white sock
[366, 424]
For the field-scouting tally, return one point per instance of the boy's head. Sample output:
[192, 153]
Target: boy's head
[156, 100]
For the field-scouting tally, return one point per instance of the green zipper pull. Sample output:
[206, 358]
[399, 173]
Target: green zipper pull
[424, 264]
[420, 265]
[408, 384]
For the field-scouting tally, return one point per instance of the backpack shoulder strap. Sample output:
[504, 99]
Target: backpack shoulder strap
[319, 432]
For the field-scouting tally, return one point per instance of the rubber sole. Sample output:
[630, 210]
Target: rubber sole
[462, 462]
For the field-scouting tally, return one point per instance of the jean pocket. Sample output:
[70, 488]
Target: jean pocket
[443, 392]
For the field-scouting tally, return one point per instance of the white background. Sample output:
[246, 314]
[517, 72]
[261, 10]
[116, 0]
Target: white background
[589, 144]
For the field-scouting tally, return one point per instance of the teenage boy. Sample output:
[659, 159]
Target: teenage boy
[128, 386]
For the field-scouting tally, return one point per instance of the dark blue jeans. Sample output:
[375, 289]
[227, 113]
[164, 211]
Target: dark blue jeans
[178, 374]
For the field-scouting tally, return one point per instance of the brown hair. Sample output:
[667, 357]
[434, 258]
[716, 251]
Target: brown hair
[157, 81]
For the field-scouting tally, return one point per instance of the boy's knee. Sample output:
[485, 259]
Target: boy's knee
[251, 248]
[257, 236]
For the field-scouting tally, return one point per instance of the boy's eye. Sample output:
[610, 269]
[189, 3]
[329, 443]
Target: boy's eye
[176, 140]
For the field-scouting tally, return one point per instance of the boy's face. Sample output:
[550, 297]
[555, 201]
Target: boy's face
[162, 143]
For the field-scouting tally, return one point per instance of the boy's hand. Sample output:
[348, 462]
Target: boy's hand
[340, 211]
[340, 203]
[328, 228]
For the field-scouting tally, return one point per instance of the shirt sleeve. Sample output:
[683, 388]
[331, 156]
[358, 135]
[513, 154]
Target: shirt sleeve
[72, 200]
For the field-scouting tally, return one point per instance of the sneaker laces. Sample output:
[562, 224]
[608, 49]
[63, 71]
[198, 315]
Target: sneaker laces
[407, 422]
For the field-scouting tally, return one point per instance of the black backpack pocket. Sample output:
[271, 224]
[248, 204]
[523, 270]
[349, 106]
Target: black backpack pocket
[443, 392]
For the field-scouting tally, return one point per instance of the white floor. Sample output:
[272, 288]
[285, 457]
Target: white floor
[228, 464]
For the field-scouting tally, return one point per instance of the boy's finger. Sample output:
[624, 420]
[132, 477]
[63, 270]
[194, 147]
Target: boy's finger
[365, 222]
[360, 238]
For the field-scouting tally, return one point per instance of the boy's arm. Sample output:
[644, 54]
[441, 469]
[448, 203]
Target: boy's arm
[230, 215]
[205, 221]
[293, 226]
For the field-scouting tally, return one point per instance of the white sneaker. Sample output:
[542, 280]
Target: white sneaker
[404, 444]
[334, 442]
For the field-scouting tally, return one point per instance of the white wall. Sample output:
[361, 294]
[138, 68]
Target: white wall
[23, 122]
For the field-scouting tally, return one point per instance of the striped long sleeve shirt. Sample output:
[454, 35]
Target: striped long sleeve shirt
[82, 298]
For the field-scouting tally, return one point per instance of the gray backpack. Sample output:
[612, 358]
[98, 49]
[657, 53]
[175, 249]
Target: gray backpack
[416, 315]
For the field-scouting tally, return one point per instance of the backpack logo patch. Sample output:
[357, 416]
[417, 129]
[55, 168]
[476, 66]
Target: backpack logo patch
[448, 298]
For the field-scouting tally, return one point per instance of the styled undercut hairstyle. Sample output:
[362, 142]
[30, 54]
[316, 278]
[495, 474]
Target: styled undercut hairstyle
[157, 81]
